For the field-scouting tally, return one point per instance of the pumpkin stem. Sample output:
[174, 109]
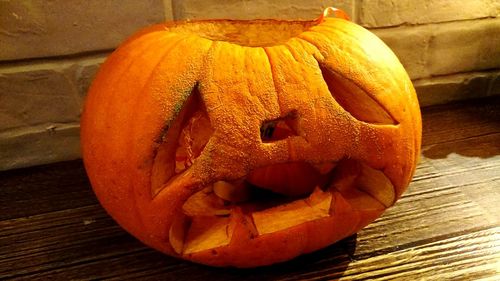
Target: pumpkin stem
[331, 11]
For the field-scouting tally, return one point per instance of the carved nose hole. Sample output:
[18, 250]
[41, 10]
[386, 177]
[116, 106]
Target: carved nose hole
[280, 128]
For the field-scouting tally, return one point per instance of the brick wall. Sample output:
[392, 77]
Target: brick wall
[50, 50]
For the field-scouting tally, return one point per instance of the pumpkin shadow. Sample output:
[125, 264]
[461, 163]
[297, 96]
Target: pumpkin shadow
[471, 129]
[330, 263]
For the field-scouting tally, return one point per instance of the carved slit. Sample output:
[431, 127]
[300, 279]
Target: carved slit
[355, 100]
[190, 131]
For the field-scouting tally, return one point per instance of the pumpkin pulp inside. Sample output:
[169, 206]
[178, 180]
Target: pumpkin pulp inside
[260, 33]
[270, 198]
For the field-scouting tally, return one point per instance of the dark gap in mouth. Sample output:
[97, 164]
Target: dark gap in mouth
[221, 197]
[266, 199]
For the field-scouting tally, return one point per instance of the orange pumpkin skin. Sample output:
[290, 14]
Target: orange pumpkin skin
[353, 109]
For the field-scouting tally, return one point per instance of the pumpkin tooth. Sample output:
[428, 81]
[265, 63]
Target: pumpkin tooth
[363, 187]
[207, 232]
[233, 193]
[177, 233]
[316, 207]
[204, 203]
[377, 184]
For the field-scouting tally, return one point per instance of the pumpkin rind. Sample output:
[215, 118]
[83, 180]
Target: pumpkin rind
[135, 107]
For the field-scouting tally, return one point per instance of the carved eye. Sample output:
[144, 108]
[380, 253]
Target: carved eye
[190, 131]
[356, 100]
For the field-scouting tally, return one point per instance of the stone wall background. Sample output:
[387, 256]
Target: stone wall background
[50, 51]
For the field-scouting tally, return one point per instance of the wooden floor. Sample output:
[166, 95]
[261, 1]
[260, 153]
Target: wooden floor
[445, 227]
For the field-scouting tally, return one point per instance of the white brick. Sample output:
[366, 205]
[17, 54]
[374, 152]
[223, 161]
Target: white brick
[465, 46]
[40, 110]
[438, 49]
[39, 145]
[440, 90]
[44, 92]
[410, 45]
[37, 95]
[34, 28]
[84, 71]
[380, 13]
[256, 9]
[167, 6]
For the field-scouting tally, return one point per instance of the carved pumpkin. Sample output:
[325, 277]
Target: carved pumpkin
[246, 143]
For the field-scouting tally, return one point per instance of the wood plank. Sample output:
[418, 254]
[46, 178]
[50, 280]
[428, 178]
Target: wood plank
[75, 240]
[42, 234]
[42, 189]
[39, 223]
[109, 267]
[460, 120]
[446, 259]
[147, 264]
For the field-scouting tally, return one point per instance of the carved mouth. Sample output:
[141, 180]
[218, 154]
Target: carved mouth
[270, 207]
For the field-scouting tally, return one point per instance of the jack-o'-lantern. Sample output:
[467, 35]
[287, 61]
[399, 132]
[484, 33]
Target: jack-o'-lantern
[246, 143]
